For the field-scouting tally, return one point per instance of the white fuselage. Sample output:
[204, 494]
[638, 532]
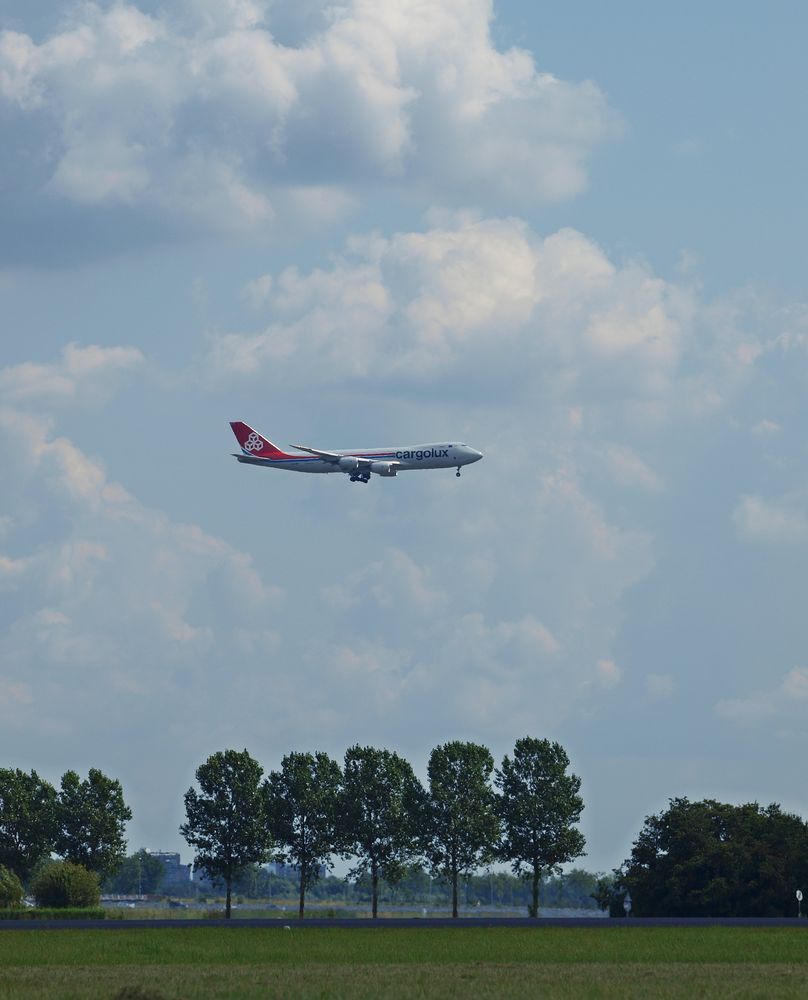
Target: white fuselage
[441, 455]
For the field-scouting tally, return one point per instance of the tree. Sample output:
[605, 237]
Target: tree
[27, 820]
[139, 873]
[712, 859]
[380, 808]
[538, 806]
[609, 895]
[301, 805]
[11, 891]
[226, 822]
[92, 817]
[460, 828]
[63, 884]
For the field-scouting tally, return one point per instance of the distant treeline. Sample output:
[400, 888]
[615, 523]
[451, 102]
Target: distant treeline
[407, 842]
[574, 889]
[370, 809]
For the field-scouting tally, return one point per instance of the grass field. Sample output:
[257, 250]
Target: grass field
[568, 964]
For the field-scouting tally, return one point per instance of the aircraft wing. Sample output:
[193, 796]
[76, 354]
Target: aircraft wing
[345, 460]
[329, 456]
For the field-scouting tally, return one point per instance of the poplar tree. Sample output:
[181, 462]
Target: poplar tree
[539, 807]
[301, 808]
[381, 804]
[226, 820]
[460, 829]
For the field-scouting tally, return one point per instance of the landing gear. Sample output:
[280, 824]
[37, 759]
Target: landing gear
[360, 477]
[458, 472]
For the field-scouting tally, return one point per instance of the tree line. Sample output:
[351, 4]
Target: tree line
[374, 810]
[143, 873]
[371, 809]
[702, 858]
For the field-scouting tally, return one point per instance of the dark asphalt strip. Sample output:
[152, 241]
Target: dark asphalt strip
[403, 923]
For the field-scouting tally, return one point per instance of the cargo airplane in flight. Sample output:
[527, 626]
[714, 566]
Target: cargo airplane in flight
[356, 464]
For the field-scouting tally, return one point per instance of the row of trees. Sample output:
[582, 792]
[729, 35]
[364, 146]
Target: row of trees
[83, 822]
[375, 811]
[693, 859]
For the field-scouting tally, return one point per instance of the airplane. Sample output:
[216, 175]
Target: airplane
[356, 464]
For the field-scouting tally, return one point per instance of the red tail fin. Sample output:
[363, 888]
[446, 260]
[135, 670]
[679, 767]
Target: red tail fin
[253, 443]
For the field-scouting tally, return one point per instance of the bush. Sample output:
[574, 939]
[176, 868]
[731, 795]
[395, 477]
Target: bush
[10, 888]
[64, 884]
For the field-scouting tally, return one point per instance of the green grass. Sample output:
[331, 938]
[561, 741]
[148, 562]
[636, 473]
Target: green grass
[54, 913]
[327, 963]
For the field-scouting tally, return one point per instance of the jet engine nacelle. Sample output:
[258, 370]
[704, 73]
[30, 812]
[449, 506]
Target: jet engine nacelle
[348, 463]
[384, 468]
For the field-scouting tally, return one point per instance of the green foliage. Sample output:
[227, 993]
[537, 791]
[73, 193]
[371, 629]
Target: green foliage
[538, 808]
[27, 820]
[381, 809]
[460, 829]
[11, 891]
[712, 859]
[226, 822]
[91, 817]
[63, 883]
[608, 895]
[138, 873]
[301, 806]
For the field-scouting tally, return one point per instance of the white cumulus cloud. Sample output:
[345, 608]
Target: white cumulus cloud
[205, 115]
[474, 298]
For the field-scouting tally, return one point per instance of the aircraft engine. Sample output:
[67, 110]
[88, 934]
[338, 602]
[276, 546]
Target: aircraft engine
[348, 463]
[384, 468]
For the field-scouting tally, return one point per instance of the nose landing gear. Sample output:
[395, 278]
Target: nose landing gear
[458, 472]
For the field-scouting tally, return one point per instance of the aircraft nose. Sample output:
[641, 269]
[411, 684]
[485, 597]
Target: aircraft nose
[475, 455]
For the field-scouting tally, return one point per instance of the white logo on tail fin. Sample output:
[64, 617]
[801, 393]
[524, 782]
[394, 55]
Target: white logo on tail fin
[253, 443]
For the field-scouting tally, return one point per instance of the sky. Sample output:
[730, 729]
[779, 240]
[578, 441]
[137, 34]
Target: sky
[569, 235]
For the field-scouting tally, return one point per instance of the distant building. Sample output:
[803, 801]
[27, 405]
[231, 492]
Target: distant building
[176, 874]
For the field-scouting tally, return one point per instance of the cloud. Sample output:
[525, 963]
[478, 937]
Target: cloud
[608, 673]
[394, 582]
[83, 374]
[787, 698]
[779, 521]
[200, 116]
[767, 427]
[485, 302]
[659, 687]
[628, 469]
[114, 578]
